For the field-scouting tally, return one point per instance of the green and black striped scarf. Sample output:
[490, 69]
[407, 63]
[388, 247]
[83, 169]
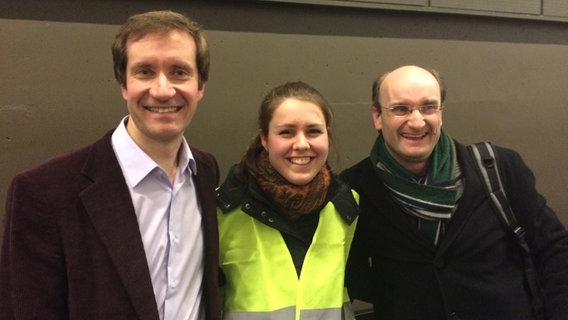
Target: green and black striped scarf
[432, 197]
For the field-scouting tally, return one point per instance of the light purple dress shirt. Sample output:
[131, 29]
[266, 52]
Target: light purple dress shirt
[169, 217]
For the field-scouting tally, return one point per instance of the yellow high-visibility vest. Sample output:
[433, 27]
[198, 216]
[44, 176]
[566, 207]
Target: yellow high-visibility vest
[261, 280]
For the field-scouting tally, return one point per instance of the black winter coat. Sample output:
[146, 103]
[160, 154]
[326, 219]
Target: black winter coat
[476, 270]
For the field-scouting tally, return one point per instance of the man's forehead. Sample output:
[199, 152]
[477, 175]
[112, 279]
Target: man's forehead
[413, 85]
[408, 75]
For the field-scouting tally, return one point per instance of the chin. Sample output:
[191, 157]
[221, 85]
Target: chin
[300, 181]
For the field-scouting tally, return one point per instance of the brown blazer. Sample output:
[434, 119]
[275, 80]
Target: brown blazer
[72, 247]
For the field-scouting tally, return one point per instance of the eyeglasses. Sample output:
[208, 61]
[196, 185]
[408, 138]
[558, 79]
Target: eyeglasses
[403, 110]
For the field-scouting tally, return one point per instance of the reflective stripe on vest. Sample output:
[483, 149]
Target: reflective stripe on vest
[346, 313]
[261, 278]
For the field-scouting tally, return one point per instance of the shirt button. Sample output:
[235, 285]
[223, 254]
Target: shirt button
[263, 214]
[247, 206]
[173, 284]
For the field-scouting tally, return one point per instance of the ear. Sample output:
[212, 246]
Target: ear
[200, 91]
[263, 139]
[377, 119]
[124, 92]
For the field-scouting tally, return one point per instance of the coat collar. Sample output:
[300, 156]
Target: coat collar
[108, 203]
[369, 185]
[231, 195]
[464, 211]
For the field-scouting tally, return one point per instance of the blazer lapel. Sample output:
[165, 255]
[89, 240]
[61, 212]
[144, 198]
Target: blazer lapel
[205, 185]
[108, 204]
[206, 181]
[466, 202]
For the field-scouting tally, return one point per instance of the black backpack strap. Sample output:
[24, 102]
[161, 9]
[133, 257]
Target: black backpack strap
[484, 154]
[485, 158]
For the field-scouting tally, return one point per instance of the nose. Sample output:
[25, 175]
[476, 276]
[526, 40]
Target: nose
[416, 119]
[161, 88]
[301, 142]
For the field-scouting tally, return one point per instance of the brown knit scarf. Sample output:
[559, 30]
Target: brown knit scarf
[294, 200]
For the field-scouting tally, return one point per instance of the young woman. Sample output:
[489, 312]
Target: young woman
[285, 221]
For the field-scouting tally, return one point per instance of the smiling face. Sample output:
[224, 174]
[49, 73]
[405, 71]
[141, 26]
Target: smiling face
[410, 139]
[297, 140]
[161, 90]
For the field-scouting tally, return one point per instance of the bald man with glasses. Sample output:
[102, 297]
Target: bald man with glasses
[428, 244]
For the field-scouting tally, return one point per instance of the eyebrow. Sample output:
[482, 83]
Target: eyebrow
[140, 65]
[177, 65]
[424, 102]
[293, 125]
[182, 65]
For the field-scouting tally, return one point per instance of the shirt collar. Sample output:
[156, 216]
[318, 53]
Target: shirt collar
[136, 164]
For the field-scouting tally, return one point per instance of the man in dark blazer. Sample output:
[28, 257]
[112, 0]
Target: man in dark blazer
[80, 239]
